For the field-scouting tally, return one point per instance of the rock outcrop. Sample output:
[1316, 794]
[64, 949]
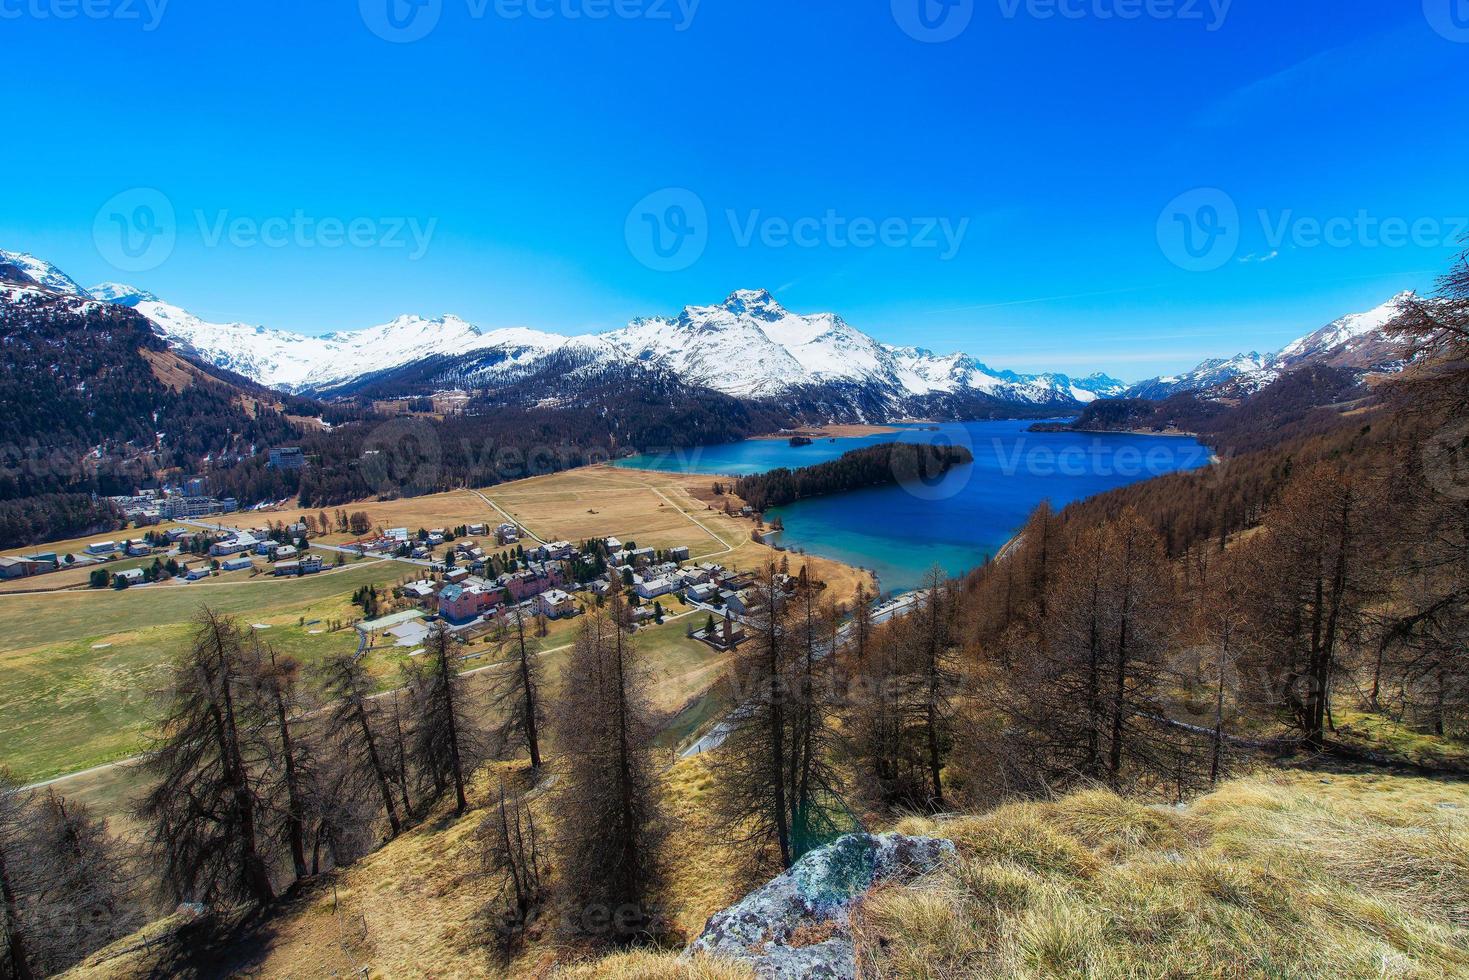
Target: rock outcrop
[797, 925]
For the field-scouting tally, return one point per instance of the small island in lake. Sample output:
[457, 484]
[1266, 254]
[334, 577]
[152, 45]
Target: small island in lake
[888, 464]
[800, 441]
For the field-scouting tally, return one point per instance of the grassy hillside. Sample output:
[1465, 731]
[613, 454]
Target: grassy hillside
[1284, 874]
[1292, 874]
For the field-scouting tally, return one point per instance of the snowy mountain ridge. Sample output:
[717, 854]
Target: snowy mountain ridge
[747, 346]
[1357, 340]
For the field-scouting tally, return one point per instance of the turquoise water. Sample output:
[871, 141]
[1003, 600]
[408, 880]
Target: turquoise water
[902, 531]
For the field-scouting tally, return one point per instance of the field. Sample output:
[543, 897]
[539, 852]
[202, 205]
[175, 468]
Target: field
[83, 673]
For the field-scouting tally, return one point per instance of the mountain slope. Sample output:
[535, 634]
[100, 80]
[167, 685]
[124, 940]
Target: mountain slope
[1358, 340]
[91, 397]
[43, 273]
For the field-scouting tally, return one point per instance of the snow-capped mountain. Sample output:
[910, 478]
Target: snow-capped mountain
[1358, 340]
[43, 272]
[748, 346]
[751, 346]
[295, 362]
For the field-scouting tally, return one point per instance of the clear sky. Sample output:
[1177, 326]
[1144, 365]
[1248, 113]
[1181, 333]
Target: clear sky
[1073, 185]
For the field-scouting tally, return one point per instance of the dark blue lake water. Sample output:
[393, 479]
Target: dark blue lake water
[957, 522]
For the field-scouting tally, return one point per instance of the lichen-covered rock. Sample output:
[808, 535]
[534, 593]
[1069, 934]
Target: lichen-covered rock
[797, 925]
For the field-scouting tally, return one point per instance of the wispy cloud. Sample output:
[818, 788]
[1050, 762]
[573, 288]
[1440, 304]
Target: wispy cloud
[1269, 256]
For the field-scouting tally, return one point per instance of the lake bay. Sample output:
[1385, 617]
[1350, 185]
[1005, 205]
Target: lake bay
[957, 521]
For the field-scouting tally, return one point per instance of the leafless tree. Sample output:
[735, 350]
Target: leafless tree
[353, 727]
[204, 811]
[611, 828]
[515, 701]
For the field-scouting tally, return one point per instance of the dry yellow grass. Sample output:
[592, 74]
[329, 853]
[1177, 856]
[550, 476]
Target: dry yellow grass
[1291, 874]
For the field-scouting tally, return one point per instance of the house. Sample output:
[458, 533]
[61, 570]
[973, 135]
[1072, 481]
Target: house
[704, 592]
[288, 568]
[132, 576]
[557, 550]
[612, 544]
[137, 548]
[21, 567]
[420, 590]
[285, 551]
[287, 458]
[476, 529]
[456, 576]
[529, 584]
[310, 565]
[643, 556]
[735, 602]
[266, 548]
[555, 604]
[399, 534]
[653, 588]
[507, 533]
[459, 604]
[680, 553]
[436, 537]
[237, 564]
[195, 574]
[239, 544]
[102, 548]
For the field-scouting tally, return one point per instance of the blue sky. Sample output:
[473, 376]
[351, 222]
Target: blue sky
[1058, 186]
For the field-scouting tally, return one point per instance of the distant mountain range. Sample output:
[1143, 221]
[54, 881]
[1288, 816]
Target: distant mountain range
[747, 347]
[1359, 341]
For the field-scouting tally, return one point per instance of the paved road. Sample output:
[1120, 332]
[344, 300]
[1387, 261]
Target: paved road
[716, 736]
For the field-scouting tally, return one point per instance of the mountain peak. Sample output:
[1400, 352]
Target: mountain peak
[756, 302]
[44, 273]
[122, 294]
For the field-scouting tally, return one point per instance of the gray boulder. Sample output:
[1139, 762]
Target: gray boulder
[813, 899]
